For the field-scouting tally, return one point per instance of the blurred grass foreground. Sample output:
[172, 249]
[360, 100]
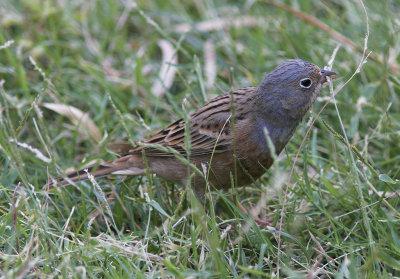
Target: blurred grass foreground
[76, 75]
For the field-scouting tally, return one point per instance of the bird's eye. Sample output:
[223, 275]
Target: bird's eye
[306, 83]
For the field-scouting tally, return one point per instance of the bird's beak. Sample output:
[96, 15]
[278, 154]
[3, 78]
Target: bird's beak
[326, 73]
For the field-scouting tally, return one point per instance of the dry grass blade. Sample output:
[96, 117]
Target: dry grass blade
[221, 23]
[81, 119]
[167, 71]
[14, 216]
[210, 64]
[7, 44]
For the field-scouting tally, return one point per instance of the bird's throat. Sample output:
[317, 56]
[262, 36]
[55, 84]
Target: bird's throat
[279, 135]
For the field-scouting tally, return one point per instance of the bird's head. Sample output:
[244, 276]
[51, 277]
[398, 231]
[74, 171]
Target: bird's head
[292, 87]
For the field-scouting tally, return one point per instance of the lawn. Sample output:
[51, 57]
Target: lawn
[76, 75]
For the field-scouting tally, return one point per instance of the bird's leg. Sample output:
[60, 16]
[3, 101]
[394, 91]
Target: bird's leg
[264, 222]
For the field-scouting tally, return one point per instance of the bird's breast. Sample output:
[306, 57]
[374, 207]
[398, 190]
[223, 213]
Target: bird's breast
[262, 134]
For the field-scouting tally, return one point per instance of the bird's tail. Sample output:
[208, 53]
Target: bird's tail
[126, 165]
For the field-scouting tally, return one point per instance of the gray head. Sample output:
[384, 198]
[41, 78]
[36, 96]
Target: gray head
[291, 89]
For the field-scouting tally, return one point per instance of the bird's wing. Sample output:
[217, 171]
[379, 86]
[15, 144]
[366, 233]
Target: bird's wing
[210, 130]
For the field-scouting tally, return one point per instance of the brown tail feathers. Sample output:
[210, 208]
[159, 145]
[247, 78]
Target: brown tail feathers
[127, 165]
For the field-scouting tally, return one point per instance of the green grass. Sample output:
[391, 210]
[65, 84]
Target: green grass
[341, 211]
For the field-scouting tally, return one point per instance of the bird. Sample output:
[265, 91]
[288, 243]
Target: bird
[230, 140]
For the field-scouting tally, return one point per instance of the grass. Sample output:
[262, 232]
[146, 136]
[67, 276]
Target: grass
[341, 212]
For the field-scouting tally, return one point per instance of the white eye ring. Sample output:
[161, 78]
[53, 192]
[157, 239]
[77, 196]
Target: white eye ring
[306, 83]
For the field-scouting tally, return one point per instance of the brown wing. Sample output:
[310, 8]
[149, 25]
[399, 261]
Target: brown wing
[210, 129]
